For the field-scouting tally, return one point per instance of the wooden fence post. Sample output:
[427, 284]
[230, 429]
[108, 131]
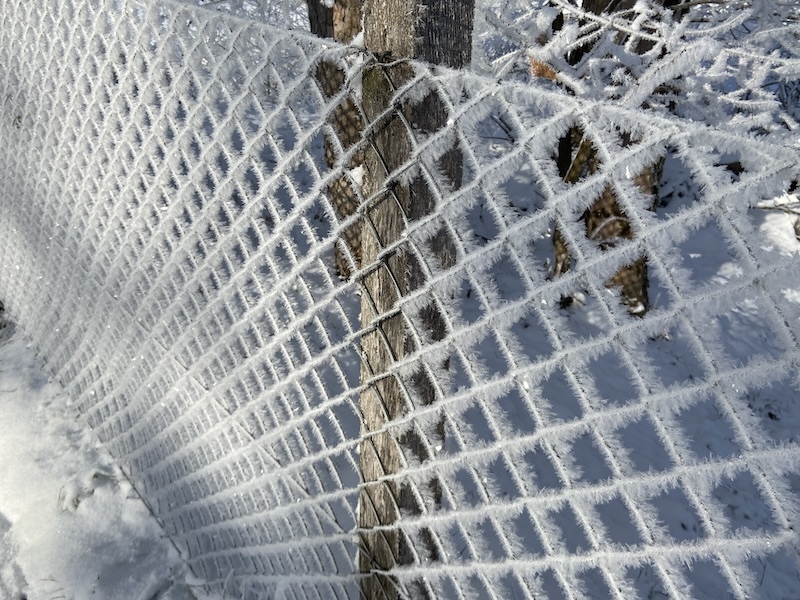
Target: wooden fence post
[436, 31]
[342, 21]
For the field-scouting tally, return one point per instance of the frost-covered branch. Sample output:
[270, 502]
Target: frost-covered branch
[716, 62]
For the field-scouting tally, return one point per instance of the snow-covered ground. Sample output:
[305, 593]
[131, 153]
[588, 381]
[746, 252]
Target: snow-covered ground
[71, 526]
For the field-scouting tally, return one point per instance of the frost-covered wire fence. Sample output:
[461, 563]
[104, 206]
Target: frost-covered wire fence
[167, 244]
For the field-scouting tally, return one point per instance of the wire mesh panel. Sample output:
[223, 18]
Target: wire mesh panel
[584, 452]
[163, 198]
[168, 243]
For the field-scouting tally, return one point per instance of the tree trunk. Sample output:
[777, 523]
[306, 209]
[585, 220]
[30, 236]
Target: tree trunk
[320, 18]
[437, 31]
[342, 22]
[605, 221]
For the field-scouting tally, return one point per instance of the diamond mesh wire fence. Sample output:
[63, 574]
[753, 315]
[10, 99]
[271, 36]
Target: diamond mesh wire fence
[293, 408]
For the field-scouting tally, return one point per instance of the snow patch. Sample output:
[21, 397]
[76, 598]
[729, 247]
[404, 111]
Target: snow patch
[71, 526]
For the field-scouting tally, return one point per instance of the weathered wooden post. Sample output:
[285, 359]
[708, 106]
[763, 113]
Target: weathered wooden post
[342, 22]
[436, 31]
